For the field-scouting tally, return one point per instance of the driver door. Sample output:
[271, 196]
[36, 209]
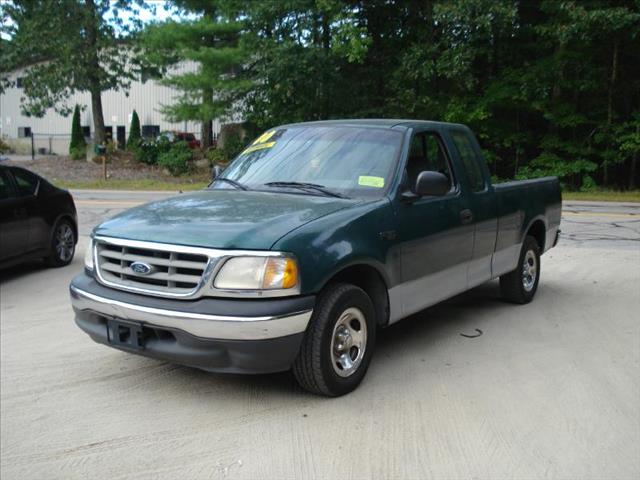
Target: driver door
[437, 240]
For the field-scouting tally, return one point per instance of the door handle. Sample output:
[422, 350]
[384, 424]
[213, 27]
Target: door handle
[466, 216]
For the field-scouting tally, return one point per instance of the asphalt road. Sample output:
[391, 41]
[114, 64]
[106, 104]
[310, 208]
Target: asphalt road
[549, 390]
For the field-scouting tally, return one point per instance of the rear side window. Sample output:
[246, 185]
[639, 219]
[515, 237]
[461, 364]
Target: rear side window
[27, 182]
[470, 161]
[6, 190]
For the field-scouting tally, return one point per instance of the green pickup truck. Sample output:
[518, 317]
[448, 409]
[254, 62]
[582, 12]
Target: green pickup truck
[312, 241]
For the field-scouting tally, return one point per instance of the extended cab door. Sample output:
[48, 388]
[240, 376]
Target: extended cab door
[481, 203]
[435, 233]
[14, 222]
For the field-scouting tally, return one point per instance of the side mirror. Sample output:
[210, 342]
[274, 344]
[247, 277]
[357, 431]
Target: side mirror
[428, 183]
[432, 183]
[216, 172]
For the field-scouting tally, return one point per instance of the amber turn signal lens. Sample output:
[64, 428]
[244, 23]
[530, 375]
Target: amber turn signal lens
[280, 273]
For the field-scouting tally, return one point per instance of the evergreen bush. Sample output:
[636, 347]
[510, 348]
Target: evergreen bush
[77, 146]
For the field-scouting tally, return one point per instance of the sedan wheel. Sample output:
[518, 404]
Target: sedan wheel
[63, 244]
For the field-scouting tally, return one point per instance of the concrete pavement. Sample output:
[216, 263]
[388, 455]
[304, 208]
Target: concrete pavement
[550, 390]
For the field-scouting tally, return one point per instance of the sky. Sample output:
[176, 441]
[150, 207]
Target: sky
[160, 10]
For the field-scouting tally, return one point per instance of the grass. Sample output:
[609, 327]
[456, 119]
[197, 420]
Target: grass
[604, 196]
[123, 184]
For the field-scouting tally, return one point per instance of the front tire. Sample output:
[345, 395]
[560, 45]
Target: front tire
[63, 244]
[339, 342]
[520, 285]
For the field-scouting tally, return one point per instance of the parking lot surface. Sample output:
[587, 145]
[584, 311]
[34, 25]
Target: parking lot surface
[549, 390]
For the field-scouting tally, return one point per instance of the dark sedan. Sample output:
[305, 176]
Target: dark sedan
[37, 220]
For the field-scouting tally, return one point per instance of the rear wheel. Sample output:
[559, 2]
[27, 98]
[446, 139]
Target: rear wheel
[63, 244]
[338, 344]
[520, 285]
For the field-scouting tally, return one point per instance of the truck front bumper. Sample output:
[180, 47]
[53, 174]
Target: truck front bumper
[222, 335]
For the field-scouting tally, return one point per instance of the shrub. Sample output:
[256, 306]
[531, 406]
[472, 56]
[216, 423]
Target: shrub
[4, 148]
[588, 184]
[77, 146]
[134, 132]
[216, 156]
[147, 151]
[176, 159]
[233, 145]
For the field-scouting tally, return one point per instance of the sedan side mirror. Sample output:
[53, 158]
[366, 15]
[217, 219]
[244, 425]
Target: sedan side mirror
[216, 172]
[432, 184]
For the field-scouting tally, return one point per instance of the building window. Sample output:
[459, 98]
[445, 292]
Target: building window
[24, 132]
[86, 132]
[20, 82]
[150, 131]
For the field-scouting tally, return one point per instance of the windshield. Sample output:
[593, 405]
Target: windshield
[350, 161]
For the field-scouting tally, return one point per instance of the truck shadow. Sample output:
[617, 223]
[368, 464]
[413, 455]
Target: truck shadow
[458, 313]
[407, 338]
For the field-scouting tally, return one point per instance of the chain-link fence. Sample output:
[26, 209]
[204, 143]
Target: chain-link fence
[39, 144]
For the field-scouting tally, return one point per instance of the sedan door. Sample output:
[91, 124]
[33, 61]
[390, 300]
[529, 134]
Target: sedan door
[28, 186]
[14, 222]
[437, 236]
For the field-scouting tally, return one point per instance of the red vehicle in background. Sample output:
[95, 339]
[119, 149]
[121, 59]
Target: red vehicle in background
[189, 138]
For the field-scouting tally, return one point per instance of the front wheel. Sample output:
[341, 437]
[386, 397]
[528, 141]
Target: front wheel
[520, 285]
[338, 344]
[63, 244]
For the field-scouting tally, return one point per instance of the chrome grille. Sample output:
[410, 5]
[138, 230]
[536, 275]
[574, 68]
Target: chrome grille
[172, 272]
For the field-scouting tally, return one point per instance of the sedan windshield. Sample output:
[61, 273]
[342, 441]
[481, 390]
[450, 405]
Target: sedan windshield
[331, 160]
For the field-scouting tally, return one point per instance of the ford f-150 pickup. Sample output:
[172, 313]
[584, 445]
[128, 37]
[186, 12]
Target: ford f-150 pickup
[316, 237]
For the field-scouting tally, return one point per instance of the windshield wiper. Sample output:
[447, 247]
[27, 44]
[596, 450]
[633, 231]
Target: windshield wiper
[308, 186]
[238, 185]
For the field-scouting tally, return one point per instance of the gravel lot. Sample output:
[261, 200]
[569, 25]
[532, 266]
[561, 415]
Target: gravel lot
[550, 390]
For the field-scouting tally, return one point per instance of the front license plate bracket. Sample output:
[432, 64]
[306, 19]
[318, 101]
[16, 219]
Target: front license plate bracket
[125, 334]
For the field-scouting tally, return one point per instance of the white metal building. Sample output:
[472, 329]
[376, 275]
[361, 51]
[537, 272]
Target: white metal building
[52, 132]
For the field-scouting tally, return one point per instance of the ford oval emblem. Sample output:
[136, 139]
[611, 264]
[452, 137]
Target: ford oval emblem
[141, 268]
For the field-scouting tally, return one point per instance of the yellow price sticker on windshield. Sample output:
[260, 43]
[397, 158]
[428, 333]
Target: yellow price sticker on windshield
[365, 181]
[264, 137]
[260, 146]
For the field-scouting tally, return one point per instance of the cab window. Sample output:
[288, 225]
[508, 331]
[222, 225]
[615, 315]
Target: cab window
[469, 160]
[427, 153]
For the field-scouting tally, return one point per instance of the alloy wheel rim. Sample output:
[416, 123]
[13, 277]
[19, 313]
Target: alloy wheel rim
[64, 243]
[348, 342]
[529, 270]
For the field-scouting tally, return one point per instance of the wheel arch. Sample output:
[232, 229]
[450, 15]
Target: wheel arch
[537, 228]
[372, 281]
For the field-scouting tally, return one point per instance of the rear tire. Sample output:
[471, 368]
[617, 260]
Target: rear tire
[339, 342]
[63, 244]
[520, 285]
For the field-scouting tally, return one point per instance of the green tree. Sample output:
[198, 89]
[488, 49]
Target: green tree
[77, 146]
[134, 131]
[68, 46]
[551, 88]
[208, 40]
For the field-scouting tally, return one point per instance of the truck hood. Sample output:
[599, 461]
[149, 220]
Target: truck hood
[221, 218]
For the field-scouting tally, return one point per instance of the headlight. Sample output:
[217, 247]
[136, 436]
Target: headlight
[258, 273]
[88, 256]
